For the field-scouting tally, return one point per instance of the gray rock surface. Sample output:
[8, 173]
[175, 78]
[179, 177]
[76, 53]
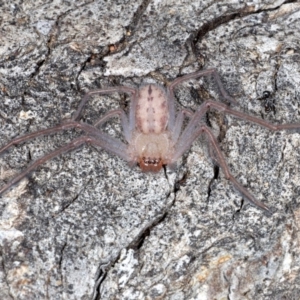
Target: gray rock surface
[85, 225]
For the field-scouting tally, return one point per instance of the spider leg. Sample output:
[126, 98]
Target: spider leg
[182, 144]
[194, 122]
[179, 122]
[95, 137]
[170, 90]
[225, 108]
[221, 160]
[126, 128]
[99, 139]
[70, 146]
[120, 89]
[111, 145]
[207, 72]
[64, 126]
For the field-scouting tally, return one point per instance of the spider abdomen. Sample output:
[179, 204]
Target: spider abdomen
[152, 109]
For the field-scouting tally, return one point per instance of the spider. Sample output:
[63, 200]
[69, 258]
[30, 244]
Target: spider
[268, 102]
[154, 131]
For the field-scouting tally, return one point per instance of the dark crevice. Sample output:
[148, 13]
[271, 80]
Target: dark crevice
[39, 64]
[216, 172]
[277, 67]
[136, 245]
[102, 273]
[29, 156]
[207, 119]
[49, 42]
[181, 182]
[209, 190]
[236, 213]
[60, 261]
[120, 45]
[100, 278]
[197, 36]
[242, 204]
[83, 65]
[276, 76]
[61, 256]
[282, 152]
[138, 242]
[136, 17]
[90, 58]
[52, 39]
[291, 1]
[268, 102]
[211, 25]
[216, 176]
[70, 203]
[66, 206]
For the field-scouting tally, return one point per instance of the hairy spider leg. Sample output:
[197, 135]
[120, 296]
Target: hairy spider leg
[74, 144]
[170, 91]
[108, 143]
[95, 137]
[32, 135]
[184, 141]
[225, 108]
[124, 122]
[64, 126]
[190, 138]
[179, 123]
[195, 121]
[119, 89]
[221, 160]
[192, 131]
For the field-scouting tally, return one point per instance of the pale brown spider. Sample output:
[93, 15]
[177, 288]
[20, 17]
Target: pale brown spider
[154, 132]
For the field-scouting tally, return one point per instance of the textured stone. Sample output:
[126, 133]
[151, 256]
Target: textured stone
[87, 226]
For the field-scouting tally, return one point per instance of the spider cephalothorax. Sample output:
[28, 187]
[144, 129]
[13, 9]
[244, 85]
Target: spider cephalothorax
[153, 130]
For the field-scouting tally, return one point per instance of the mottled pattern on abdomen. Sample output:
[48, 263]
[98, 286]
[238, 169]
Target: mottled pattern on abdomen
[151, 109]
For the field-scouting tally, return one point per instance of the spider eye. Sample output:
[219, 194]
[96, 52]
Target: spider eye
[150, 164]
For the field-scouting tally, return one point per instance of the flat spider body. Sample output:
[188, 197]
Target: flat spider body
[153, 130]
[151, 145]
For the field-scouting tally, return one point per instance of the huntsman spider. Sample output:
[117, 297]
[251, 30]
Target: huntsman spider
[154, 131]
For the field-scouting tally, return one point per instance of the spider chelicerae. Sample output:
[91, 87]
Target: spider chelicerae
[153, 130]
